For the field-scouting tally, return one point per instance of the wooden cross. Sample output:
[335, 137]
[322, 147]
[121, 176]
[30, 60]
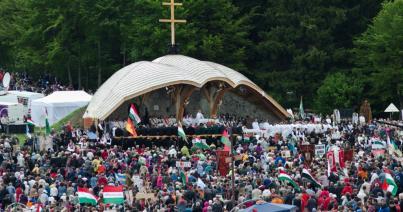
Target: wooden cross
[172, 4]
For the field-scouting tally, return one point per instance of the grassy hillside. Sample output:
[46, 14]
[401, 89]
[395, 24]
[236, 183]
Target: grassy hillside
[75, 117]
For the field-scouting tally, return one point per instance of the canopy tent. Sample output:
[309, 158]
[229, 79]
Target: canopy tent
[391, 109]
[58, 105]
[271, 207]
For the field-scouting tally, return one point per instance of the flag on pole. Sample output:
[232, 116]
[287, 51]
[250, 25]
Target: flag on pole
[47, 126]
[200, 183]
[181, 133]
[301, 109]
[85, 196]
[307, 175]
[393, 148]
[389, 184]
[39, 207]
[113, 194]
[134, 115]
[286, 178]
[281, 170]
[30, 122]
[225, 140]
[130, 128]
[184, 177]
[199, 144]
[121, 178]
[341, 159]
[331, 164]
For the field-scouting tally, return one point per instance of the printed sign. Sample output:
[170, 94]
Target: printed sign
[137, 181]
[141, 195]
[320, 150]
[183, 164]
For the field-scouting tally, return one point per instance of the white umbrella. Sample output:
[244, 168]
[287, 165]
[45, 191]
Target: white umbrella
[391, 109]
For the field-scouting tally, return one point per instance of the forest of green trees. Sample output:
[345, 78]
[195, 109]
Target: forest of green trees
[334, 53]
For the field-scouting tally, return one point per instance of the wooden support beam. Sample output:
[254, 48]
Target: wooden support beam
[187, 91]
[182, 94]
[216, 103]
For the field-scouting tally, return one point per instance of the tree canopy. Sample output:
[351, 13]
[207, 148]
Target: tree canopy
[290, 48]
[379, 56]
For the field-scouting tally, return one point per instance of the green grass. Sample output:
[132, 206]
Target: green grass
[75, 117]
[21, 138]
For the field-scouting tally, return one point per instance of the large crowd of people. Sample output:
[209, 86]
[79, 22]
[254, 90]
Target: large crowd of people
[45, 84]
[48, 176]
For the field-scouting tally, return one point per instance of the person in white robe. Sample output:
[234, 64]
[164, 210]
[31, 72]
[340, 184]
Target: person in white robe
[199, 117]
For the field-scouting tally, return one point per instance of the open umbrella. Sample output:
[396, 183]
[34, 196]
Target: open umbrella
[262, 207]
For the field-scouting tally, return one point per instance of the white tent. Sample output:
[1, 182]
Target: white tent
[58, 105]
[26, 98]
[391, 109]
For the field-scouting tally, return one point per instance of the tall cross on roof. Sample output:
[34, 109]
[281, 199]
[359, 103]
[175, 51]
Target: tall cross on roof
[172, 4]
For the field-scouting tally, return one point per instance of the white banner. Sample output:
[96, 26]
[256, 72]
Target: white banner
[183, 164]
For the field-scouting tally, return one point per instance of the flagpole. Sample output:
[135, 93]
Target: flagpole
[232, 169]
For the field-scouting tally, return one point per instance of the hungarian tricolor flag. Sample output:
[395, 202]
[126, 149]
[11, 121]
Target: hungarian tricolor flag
[113, 194]
[307, 175]
[181, 133]
[225, 140]
[281, 170]
[39, 208]
[389, 184]
[130, 127]
[85, 196]
[199, 144]
[393, 148]
[287, 178]
[30, 122]
[184, 177]
[134, 115]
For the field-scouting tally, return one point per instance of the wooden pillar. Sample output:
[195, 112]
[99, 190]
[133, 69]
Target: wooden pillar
[182, 95]
[214, 94]
[217, 99]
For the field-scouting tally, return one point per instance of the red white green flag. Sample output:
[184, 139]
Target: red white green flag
[181, 133]
[113, 194]
[85, 196]
[30, 122]
[134, 115]
[199, 144]
[39, 208]
[287, 178]
[306, 174]
[225, 140]
[389, 184]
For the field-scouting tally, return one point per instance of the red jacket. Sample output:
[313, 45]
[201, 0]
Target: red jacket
[324, 194]
[18, 193]
[347, 189]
